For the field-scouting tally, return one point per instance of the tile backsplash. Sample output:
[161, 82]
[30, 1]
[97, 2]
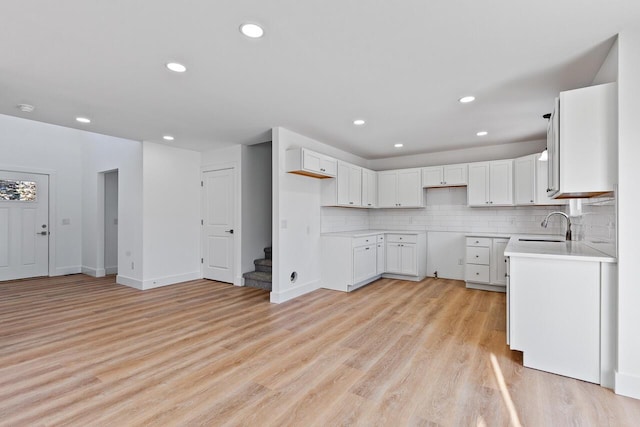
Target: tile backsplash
[446, 210]
[597, 224]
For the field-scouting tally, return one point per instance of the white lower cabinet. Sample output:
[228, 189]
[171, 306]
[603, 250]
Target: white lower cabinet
[349, 262]
[486, 265]
[364, 263]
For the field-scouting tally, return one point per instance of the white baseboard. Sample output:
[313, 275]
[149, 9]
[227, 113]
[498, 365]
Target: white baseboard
[95, 272]
[128, 281]
[111, 270]
[627, 385]
[402, 277]
[63, 271]
[288, 294]
[170, 280]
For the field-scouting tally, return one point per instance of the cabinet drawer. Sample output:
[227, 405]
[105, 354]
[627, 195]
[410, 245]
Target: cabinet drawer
[380, 238]
[363, 241]
[477, 273]
[402, 238]
[477, 255]
[479, 241]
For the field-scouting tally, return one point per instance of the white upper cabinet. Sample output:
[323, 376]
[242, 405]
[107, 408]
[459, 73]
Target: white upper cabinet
[369, 188]
[400, 188]
[490, 183]
[309, 163]
[444, 176]
[530, 182]
[524, 179]
[582, 142]
[346, 189]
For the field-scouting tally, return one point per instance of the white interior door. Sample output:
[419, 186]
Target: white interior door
[24, 225]
[218, 224]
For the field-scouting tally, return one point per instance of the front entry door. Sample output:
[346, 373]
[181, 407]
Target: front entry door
[218, 223]
[24, 225]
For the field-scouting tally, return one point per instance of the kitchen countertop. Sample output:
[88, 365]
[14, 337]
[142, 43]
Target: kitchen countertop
[364, 233]
[567, 250]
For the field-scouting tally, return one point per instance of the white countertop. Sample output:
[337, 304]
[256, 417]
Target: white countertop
[576, 251]
[364, 233]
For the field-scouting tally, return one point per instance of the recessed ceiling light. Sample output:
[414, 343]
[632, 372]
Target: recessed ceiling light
[467, 99]
[398, 145]
[359, 122]
[176, 67]
[83, 120]
[253, 31]
[25, 108]
[482, 133]
[168, 138]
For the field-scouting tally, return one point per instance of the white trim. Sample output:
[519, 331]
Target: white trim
[627, 385]
[111, 270]
[170, 280]
[402, 277]
[94, 272]
[63, 271]
[129, 281]
[279, 297]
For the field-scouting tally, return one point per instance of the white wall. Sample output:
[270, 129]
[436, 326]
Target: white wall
[256, 203]
[111, 222]
[171, 215]
[467, 155]
[296, 217]
[628, 373]
[608, 72]
[100, 154]
[28, 145]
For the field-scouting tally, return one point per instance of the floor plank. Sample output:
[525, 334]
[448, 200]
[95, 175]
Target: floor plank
[77, 350]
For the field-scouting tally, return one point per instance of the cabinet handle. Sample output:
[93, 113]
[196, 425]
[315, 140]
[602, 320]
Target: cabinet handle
[368, 204]
[477, 256]
[350, 203]
[366, 249]
[477, 241]
[505, 275]
[490, 202]
[477, 274]
[445, 182]
[531, 201]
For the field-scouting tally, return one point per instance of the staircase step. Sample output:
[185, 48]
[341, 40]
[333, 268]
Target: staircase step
[258, 279]
[267, 252]
[263, 265]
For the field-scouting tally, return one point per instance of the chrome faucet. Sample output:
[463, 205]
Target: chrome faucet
[546, 221]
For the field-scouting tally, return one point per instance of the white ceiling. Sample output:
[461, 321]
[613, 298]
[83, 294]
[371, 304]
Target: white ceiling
[401, 65]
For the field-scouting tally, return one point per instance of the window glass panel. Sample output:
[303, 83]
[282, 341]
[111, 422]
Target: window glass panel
[24, 191]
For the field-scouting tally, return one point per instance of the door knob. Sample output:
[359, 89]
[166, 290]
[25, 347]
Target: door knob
[229, 231]
[43, 233]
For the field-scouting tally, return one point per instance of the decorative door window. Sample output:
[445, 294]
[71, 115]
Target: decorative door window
[22, 191]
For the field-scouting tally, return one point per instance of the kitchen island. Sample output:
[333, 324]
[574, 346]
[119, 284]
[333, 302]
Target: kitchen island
[561, 307]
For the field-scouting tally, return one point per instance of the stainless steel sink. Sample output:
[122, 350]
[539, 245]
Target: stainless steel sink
[542, 240]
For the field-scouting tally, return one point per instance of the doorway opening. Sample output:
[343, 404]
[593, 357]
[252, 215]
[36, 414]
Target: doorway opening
[111, 222]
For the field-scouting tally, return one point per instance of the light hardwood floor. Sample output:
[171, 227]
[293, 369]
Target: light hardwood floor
[76, 350]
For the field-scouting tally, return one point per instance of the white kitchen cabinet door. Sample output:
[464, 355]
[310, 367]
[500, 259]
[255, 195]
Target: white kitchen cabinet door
[318, 163]
[387, 184]
[501, 183]
[408, 259]
[433, 176]
[369, 188]
[380, 258]
[478, 188]
[409, 188]
[499, 262]
[364, 263]
[346, 190]
[393, 258]
[525, 172]
[455, 175]
[542, 184]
